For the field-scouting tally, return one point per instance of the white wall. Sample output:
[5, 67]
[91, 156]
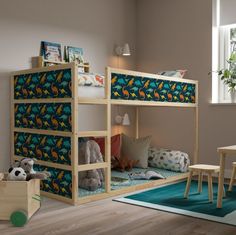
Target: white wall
[96, 26]
[176, 34]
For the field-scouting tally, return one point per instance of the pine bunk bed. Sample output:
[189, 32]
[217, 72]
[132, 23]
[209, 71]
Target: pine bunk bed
[44, 122]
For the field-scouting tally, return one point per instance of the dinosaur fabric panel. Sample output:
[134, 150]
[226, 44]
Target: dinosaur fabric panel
[56, 149]
[50, 84]
[128, 87]
[47, 116]
[60, 181]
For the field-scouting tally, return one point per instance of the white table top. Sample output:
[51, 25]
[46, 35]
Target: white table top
[227, 149]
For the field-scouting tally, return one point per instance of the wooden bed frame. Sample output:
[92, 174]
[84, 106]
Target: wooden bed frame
[29, 96]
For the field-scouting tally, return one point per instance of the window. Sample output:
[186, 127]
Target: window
[227, 45]
[223, 45]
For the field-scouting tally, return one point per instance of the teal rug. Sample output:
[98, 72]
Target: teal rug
[170, 198]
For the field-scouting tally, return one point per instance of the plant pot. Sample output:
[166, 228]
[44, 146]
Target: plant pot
[233, 96]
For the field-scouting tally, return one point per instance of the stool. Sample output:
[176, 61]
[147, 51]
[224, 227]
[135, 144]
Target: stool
[199, 169]
[232, 177]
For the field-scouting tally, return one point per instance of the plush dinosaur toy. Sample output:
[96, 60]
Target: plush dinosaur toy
[28, 165]
[123, 163]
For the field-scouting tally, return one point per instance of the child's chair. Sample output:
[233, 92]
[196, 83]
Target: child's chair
[232, 177]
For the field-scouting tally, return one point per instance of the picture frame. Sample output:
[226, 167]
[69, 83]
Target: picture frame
[51, 51]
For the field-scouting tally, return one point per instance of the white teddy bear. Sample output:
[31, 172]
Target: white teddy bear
[16, 174]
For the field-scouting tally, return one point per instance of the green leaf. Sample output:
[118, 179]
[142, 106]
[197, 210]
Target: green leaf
[226, 73]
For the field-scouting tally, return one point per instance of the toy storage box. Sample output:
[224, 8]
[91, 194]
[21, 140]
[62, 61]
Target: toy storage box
[19, 195]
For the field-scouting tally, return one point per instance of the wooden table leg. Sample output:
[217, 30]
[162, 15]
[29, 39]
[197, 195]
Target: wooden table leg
[188, 184]
[210, 190]
[232, 179]
[200, 182]
[221, 180]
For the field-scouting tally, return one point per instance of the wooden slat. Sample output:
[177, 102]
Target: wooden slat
[92, 101]
[49, 164]
[137, 123]
[152, 103]
[45, 69]
[49, 100]
[108, 138]
[196, 127]
[92, 133]
[12, 121]
[44, 132]
[93, 166]
[74, 149]
[57, 197]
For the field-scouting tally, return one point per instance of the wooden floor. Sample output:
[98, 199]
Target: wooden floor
[108, 217]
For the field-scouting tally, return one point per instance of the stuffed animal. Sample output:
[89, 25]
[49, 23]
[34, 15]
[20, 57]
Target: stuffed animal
[16, 174]
[1, 176]
[89, 152]
[28, 165]
[123, 163]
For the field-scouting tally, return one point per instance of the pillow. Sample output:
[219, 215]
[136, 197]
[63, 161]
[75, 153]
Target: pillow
[136, 149]
[168, 159]
[175, 73]
[90, 79]
[115, 145]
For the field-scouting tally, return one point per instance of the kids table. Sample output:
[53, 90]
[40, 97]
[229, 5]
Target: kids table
[223, 151]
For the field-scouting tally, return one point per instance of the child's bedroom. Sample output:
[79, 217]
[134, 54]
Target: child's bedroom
[117, 117]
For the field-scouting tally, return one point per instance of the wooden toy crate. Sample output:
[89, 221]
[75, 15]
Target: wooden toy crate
[19, 196]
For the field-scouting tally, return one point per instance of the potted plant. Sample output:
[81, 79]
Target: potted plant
[228, 76]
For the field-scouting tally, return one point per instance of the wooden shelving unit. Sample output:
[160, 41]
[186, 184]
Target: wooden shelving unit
[41, 62]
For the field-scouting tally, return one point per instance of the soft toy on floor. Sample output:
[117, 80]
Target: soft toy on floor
[16, 174]
[28, 165]
[89, 152]
[123, 163]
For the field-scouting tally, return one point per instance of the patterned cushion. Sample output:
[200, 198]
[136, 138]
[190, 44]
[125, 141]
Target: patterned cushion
[168, 159]
[90, 79]
[174, 73]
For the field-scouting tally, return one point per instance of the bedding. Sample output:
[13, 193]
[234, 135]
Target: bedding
[174, 73]
[168, 159]
[90, 79]
[91, 92]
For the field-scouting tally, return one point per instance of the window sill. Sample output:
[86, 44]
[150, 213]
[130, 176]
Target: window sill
[222, 104]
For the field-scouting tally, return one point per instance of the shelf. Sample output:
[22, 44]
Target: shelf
[92, 133]
[92, 101]
[54, 62]
[152, 103]
[93, 166]
[41, 61]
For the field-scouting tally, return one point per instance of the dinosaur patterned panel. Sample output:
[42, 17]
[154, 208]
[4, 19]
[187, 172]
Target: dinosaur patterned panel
[47, 116]
[59, 183]
[127, 87]
[56, 149]
[50, 84]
